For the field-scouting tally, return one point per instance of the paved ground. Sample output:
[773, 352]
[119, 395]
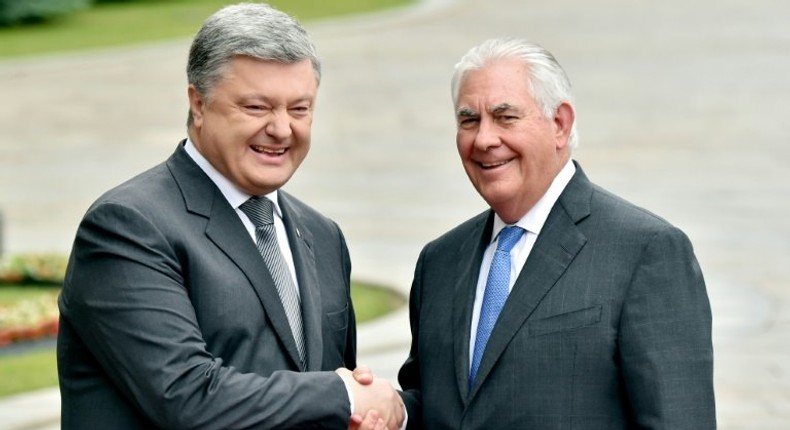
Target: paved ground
[681, 108]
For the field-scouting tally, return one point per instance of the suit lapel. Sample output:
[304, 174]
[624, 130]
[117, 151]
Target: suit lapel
[300, 239]
[226, 231]
[555, 248]
[470, 254]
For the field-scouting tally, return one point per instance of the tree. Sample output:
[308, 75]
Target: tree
[28, 11]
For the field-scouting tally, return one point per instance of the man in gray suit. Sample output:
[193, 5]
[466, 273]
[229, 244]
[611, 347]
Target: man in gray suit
[176, 310]
[563, 306]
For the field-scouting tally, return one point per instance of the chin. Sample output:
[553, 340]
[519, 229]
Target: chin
[495, 194]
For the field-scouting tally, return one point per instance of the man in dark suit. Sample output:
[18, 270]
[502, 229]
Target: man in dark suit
[563, 306]
[183, 307]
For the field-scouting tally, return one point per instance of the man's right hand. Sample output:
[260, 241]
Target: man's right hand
[371, 421]
[376, 395]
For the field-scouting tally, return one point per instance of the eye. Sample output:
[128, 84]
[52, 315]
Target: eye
[300, 111]
[468, 122]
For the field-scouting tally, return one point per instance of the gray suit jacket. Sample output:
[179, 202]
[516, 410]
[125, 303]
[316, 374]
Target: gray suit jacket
[608, 327]
[170, 319]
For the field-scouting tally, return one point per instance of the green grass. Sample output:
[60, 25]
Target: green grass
[28, 371]
[117, 24]
[31, 370]
[371, 302]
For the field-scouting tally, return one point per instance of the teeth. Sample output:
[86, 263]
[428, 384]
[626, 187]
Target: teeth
[492, 165]
[268, 151]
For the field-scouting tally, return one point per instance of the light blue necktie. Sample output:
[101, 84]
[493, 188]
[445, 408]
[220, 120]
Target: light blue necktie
[497, 289]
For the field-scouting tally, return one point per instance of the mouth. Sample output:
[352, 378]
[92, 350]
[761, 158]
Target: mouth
[268, 151]
[494, 165]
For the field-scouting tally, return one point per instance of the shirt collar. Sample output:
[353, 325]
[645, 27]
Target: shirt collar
[232, 193]
[533, 220]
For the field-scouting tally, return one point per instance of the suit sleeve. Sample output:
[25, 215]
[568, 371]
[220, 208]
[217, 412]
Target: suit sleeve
[350, 352]
[409, 375]
[127, 299]
[665, 338]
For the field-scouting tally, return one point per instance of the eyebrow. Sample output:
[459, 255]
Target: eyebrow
[257, 97]
[494, 110]
[501, 108]
[466, 112]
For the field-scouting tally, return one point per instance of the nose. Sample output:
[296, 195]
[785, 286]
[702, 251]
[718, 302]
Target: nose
[279, 126]
[487, 136]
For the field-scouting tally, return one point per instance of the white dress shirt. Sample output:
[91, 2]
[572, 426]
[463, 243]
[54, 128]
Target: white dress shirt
[532, 223]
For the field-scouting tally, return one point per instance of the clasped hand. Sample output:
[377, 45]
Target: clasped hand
[377, 405]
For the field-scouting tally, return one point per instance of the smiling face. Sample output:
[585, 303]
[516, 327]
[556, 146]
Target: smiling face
[510, 152]
[254, 127]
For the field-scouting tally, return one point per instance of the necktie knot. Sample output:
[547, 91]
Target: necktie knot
[259, 210]
[508, 238]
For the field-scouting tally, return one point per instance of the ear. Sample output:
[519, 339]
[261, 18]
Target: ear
[196, 105]
[564, 117]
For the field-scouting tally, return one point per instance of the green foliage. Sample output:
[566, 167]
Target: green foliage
[27, 11]
[33, 269]
[13, 294]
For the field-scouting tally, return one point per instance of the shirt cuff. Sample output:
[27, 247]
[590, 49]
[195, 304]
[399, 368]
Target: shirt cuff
[350, 397]
[405, 418]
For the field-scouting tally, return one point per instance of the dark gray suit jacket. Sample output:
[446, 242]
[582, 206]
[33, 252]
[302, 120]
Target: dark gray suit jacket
[608, 327]
[170, 319]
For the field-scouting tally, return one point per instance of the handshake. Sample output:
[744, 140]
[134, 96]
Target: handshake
[377, 406]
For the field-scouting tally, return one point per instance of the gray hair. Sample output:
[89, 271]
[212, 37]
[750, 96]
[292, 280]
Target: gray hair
[546, 80]
[250, 29]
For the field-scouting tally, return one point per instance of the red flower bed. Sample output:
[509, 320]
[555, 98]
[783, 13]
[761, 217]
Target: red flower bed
[41, 330]
[29, 320]
[35, 318]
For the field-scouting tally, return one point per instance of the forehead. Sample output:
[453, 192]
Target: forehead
[251, 74]
[501, 82]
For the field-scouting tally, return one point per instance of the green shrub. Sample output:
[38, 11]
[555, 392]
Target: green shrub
[33, 269]
[29, 11]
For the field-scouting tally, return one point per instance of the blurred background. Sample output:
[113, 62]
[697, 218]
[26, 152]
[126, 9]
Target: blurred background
[680, 107]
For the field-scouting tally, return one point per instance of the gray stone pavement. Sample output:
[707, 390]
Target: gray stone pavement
[681, 109]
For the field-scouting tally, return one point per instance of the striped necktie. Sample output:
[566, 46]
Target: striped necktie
[259, 210]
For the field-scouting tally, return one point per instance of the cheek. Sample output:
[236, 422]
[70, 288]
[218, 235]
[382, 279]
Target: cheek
[301, 129]
[463, 143]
